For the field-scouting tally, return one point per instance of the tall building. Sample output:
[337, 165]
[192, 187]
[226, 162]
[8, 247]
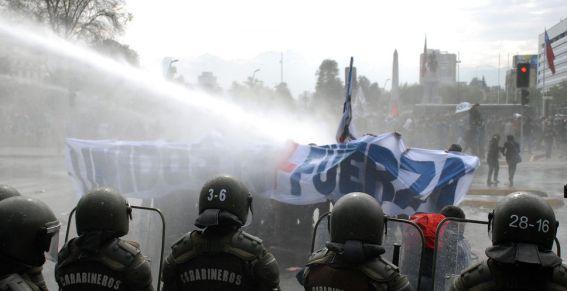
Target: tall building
[437, 69]
[558, 38]
[440, 66]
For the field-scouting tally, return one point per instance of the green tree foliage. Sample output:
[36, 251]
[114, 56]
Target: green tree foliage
[283, 97]
[410, 94]
[559, 94]
[329, 91]
[372, 92]
[117, 51]
[253, 93]
[283, 91]
[91, 20]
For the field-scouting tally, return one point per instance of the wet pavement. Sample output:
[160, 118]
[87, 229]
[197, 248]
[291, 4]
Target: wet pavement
[42, 174]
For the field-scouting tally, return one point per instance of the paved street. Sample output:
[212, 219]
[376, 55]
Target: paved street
[42, 174]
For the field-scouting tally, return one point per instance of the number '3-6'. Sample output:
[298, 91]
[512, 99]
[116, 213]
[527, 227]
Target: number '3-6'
[221, 196]
[523, 223]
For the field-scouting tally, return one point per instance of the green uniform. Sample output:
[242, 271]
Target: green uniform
[220, 260]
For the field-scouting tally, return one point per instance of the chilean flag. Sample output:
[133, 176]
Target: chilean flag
[549, 53]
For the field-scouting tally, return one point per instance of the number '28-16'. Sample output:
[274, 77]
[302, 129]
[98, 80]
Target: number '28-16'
[522, 222]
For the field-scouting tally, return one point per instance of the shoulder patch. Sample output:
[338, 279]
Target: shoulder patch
[379, 270]
[251, 237]
[245, 246]
[185, 248]
[476, 275]
[119, 255]
[319, 257]
[129, 246]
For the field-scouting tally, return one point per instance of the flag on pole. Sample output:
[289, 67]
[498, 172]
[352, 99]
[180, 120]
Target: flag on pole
[344, 132]
[549, 53]
[424, 59]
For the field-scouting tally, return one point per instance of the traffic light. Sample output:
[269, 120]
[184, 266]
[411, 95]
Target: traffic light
[523, 75]
[525, 93]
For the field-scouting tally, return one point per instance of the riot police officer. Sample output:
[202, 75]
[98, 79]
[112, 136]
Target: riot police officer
[7, 191]
[521, 257]
[220, 256]
[28, 229]
[352, 260]
[98, 259]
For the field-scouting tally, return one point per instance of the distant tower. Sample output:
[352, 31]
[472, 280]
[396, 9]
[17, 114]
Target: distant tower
[395, 99]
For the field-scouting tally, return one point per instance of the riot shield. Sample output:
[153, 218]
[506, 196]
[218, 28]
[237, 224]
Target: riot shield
[147, 228]
[459, 244]
[404, 243]
[321, 232]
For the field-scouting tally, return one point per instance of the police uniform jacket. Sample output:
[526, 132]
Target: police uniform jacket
[327, 271]
[113, 265]
[220, 259]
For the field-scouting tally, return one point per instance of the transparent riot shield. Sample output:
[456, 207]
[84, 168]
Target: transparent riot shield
[404, 243]
[147, 228]
[321, 232]
[459, 244]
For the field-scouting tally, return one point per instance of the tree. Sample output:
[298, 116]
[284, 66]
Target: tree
[329, 91]
[91, 20]
[363, 83]
[283, 96]
[283, 91]
[117, 51]
[410, 94]
[559, 94]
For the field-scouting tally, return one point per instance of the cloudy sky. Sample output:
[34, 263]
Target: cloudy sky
[479, 30]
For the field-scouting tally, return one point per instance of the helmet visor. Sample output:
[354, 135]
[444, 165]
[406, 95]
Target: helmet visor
[49, 240]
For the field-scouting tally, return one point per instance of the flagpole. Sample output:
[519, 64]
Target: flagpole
[543, 73]
[498, 78]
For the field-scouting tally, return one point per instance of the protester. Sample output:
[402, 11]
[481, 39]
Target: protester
[511, 151]
[428, 223]
[492, 160]
[455, 148]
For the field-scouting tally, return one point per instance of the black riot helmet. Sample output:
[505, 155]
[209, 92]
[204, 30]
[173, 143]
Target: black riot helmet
[223, 201]
[103, 210]
[357, 217]
[8, 191]
[28, 229]
[523, 218]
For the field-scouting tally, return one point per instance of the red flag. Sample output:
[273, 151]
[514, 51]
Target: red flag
[549, 53]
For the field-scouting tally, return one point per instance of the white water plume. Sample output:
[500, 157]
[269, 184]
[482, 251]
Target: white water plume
[275, 127]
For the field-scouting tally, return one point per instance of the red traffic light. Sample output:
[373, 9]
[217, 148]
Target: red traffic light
[524, 69]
